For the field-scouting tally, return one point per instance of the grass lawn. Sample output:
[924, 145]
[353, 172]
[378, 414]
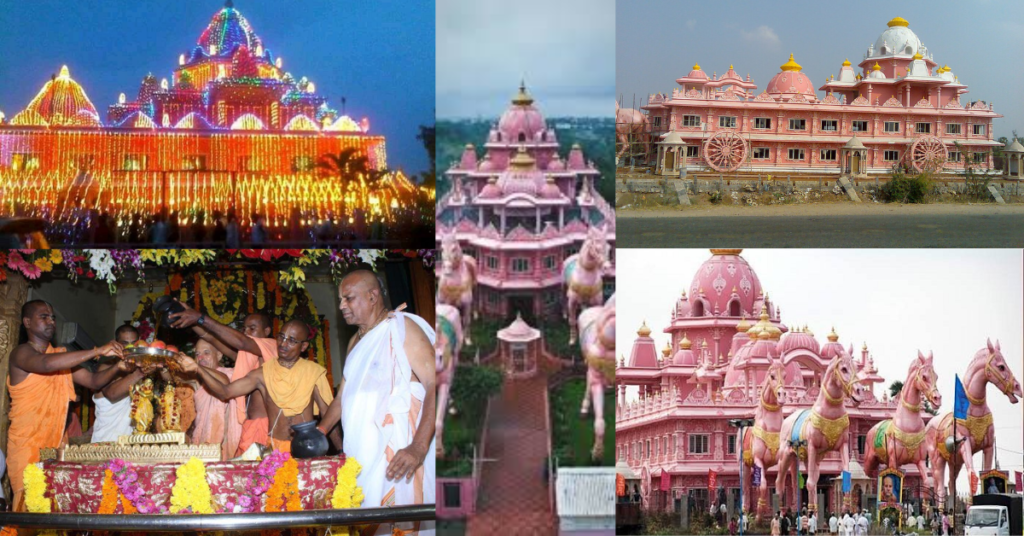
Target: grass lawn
[484, 333]
[572, 436]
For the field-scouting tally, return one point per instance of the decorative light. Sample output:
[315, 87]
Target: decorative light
[181, 59]
[163, 84]
[311, 88]
[213, 50]
[278, 63]
[166, 122]
[121, 98]
[259, 50]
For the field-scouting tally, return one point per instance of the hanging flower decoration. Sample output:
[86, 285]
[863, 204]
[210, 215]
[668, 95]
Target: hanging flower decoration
[191, 493]
[283, 495]
[258, 484]
[127, 480]
[35, 490]
[347, 493]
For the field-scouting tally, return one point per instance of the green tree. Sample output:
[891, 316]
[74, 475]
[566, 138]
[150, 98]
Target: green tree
[895, 388]
[346, 165]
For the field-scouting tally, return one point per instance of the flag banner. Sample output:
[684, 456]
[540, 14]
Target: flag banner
[960, 402]
[801, 475]
[756, 480]
[847, 483]
[620, 486]
[666, 480]
[712, 478]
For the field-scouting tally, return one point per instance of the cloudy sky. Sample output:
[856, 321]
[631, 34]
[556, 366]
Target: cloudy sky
[566, 50]
[659, 41]
[378, 55]
[897, 301]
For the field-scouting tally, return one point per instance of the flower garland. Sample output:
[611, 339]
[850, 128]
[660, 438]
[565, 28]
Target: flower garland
[191, 493]
[35, 490]
[127, 480]
[283, 495]
[347, 493]
[259, 482]
[111, 495]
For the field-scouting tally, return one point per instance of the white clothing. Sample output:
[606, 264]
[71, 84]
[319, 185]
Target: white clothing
[812, 524]
[376, 411]
[920, 521]
[113, 419]
[862, 525]
[848, 525]
[833, 525]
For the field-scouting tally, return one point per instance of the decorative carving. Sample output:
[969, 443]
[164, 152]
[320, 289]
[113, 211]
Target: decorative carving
[923, 103]
[177, 438]
[764, 97]
[101, 452]
[979, 106]
[954, 104]
[860, 101]
[892, 103]
[830, 99]
[799, 98]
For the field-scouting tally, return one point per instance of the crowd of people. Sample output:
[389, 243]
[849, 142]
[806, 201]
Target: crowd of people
[267, 388]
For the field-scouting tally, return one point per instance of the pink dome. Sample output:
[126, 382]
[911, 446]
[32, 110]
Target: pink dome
[522, 122]
[490, 190]
[468, 157]
[556, 164]
[522, 176]
[713, 285]
[550, 190]
[785, 85]
[697, 72]
[576, 158]
[487, 164]
[798, 340]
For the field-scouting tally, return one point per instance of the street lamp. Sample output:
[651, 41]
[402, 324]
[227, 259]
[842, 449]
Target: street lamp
[795, 445]
[741, 424]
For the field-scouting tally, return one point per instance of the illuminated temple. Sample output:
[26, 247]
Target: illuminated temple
[231, 130]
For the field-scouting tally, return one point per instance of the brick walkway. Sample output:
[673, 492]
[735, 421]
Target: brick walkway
[513, 496]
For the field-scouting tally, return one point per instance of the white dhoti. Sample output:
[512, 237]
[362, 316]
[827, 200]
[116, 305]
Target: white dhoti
[113, 419]
[381, 410]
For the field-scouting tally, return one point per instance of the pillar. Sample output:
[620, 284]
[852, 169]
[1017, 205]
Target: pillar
[13, 294]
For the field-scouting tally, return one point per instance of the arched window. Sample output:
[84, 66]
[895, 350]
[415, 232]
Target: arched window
[499, 136]
[909, 50]
[698, 308]
[734, 308]
[522, 136]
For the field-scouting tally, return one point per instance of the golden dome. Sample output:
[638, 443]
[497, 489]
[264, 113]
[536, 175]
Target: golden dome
[898, 21]
[918, 56]
[876, 67]
[61, 102]
[522, 160]
[846, 62]
[644, 331]
[522, 98]
[726, 252]
[764, 326]
[764, 335]
[667, 349]
[833, 337]
[791, 65]
[684, 343]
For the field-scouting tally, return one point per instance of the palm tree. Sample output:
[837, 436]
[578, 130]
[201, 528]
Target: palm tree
[895, 388]
[346, 165]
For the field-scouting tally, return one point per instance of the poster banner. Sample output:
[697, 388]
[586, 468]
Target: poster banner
[712, 479]
[757, 477]
[620, 486]
[847, 483]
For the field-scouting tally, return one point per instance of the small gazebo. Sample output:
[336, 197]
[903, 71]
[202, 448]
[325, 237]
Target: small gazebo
[1013, 154]
[671, 154]
[854, 157]
[520, 346]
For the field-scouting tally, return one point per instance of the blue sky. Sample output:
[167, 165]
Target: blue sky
[379, 55]
[659, 41]
[566, 50]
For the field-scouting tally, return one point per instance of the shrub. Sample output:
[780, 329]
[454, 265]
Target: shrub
[903, 188]
[715, 196]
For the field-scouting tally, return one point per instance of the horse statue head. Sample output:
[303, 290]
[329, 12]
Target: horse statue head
[843, 375]
[594, 252]
[923, 378]
[451, 253]
[774, 381]
[997, 372]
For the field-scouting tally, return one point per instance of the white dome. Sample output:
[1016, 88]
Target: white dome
[900, 41]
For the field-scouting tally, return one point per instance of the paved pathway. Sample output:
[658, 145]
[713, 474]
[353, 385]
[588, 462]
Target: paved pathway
[513, 497]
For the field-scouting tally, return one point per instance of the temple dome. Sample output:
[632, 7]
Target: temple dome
[713, 283]
[898, 39]
[522, 122]
[790, 82]
[697, 72]
[61, 102]
[228, 30]
[798, 340]
[522, 175]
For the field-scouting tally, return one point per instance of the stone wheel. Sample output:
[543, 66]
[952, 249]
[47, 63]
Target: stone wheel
[725, 151]
[928, 153]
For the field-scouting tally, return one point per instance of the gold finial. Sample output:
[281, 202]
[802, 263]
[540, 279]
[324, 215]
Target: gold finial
[865, 347]
[743, 326]
[64, 73]
[667, 349]
[704, 343]
[832, 336]
[876, 67]
[684, 343]
[846, 62]
[696, 67]
[858, 76]
[898, 21]
[644, 331]
[726, 251]
[522, 98]
[918, 56]
[684, 292]
[522, 160]
[808, 330]
[730, 66]
[791, 65]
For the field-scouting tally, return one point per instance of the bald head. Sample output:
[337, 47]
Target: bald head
[361, 297]
[293, 340]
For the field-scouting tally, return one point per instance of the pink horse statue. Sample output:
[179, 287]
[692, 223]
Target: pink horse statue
[583, 273]
[761, 443]
[901, 440]
[597, 343]
[628, 121]
[988, 366]
[447, 346]
[824, 426]
[458, 277]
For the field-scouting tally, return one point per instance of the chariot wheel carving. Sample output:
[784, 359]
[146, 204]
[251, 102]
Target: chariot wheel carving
[928, 153]
[725, 151]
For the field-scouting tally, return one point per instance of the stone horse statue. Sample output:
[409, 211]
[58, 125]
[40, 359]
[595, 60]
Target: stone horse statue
[901, 440]
[824, 426]
[597, 343]
[447, 346]
[458, 278]
[583, 274]
[761, 443]
[628, 122]
[988, 366]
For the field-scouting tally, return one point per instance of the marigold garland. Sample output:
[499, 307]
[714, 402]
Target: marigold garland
[35, 490]
[347, 493]
[283, 495]
[191, 491]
